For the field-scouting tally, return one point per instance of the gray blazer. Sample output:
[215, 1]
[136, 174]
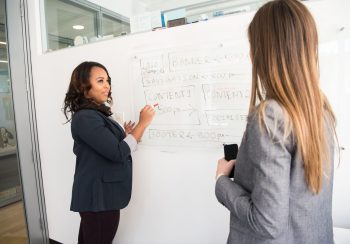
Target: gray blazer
[269, 200]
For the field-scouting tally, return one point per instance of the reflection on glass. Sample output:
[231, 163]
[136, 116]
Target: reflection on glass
[73, 22]
[12, 219]
[115, 27]
[68, 24]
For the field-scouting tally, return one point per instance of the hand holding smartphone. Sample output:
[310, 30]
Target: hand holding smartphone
[231, 151]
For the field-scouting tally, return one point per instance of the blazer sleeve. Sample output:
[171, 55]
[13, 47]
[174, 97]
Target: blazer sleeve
[263, 211]
[89, 127]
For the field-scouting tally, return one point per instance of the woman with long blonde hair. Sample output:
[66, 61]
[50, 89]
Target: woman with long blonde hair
[283, 180]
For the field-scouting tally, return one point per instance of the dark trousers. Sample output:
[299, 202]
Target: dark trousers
[98, 227]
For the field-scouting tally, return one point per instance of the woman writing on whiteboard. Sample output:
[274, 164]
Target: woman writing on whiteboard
[103, 172]
[282, 188]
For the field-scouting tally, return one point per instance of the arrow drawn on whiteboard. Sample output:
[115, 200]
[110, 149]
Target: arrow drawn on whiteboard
[174, 110]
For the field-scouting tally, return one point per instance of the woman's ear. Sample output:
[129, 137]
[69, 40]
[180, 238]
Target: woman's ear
[85, 92]
[81, 89]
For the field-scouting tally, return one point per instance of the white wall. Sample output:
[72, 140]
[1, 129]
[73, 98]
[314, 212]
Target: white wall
[138, 7]
[173, 193]
[170, 4]
[334, 52]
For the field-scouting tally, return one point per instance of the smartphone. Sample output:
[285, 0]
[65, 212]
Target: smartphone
[231, 151]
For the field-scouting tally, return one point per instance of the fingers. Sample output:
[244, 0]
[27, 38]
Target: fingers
[224, 167]
[232, 161]
[148, 108]
[129, 126]
[146, 115]
[222, 160]
[148, 111]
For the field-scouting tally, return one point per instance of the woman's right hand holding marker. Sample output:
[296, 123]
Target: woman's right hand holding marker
[147, 114]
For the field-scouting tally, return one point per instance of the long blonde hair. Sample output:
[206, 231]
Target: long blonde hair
[283, 45]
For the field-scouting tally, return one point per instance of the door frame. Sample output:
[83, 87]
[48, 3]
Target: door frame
[20, 70]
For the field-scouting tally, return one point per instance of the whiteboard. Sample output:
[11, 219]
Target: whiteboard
[173, 198]
[202, 92]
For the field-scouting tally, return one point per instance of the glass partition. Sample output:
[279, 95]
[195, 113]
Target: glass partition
[71, 23]
[10, 189]
[13, 227]
[68, 24]
[113, 26]
[75, 22]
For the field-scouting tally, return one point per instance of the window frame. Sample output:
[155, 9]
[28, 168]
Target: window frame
[83, 4]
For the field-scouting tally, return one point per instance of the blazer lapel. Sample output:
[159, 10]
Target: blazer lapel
[114, 126]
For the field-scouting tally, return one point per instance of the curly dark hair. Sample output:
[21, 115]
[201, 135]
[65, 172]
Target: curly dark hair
[79, 85]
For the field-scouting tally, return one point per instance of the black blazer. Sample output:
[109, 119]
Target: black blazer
[103, 171]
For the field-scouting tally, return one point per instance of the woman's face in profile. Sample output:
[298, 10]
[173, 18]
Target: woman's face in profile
[100, 86]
